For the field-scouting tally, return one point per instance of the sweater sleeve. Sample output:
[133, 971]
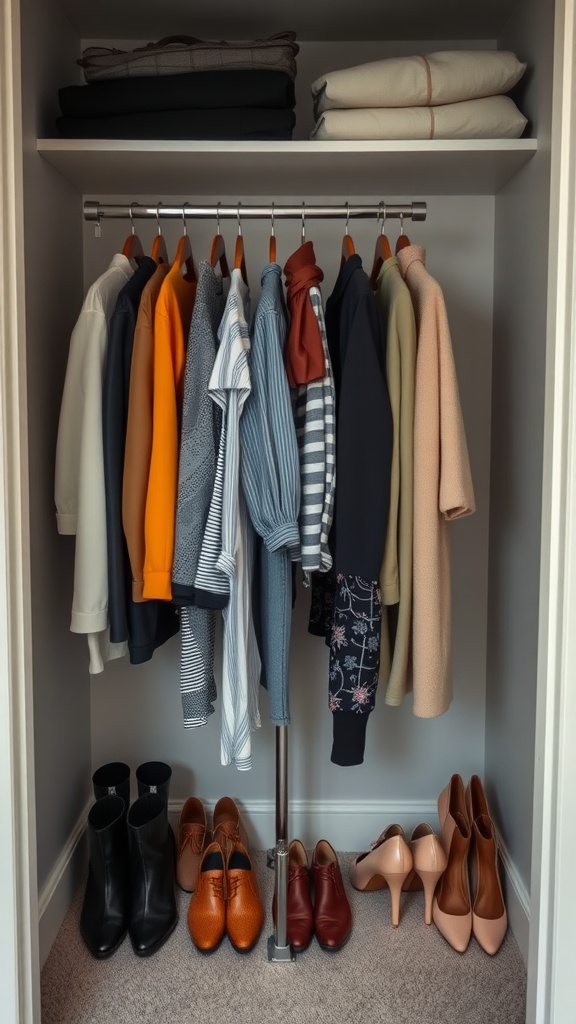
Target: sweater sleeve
[456, 493]
[163, 478]
[79, 484]
[364, 448]
[389, 583]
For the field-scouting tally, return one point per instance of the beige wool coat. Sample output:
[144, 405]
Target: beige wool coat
[442, 486]
[397, 312]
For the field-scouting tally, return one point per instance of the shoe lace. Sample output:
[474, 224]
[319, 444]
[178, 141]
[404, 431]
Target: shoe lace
[329, 874]
[234, 883]
[217, 884]
[192, 838]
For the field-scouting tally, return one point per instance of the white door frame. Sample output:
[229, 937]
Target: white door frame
[19, 961]
[553, 894]
[553, 901]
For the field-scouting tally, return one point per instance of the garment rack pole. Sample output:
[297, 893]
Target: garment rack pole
[279, 950]
[96, 211]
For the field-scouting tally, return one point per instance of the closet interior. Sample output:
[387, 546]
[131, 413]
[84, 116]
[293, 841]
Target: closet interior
[486, 240]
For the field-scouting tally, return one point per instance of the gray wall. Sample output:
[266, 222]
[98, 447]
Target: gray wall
[520, 297]
[53, 296]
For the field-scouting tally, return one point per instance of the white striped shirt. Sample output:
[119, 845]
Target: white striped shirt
[229, 387]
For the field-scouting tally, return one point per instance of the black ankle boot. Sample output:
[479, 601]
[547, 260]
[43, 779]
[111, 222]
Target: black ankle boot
[154, 777]
[104, 916]
[112, 779]
[153, 914]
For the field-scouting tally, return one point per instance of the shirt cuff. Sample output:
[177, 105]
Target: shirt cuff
[66, 523]
[226, 563]
[285, 536]
[157, 585]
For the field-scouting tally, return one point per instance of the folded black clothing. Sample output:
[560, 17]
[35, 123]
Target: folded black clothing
[204, 90]
[226, 124]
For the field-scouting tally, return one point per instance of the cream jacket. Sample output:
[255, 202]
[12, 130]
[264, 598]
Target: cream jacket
[79, 483]
[442, 486]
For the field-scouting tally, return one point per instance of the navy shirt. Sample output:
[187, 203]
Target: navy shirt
[148, 624]
[363, 424]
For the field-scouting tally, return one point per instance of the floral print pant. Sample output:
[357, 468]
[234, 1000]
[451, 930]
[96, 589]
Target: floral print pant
[347, 610]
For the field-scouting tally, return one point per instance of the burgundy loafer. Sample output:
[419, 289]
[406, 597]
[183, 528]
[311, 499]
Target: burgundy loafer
[300, 915]
[332, 912]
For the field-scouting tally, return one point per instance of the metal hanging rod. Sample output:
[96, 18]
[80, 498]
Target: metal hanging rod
[94, 211]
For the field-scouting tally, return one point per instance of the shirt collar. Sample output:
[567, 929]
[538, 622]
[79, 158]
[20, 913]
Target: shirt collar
[411, 254]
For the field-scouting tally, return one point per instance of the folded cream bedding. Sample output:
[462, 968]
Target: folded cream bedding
[496, 117]
[436, 79]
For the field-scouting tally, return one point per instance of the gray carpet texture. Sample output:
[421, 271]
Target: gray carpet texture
[384, 975]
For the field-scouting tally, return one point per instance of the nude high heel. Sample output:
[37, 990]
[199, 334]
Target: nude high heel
[451, 909]
[387, 863]
[429, 864]
[489, 917]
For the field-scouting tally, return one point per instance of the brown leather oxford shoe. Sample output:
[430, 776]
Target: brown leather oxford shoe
[207, 910]
[300, 915]
[191, 842]
[244, 910]
[332, 913]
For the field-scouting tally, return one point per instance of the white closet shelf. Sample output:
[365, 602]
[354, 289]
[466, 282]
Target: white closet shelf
[469, 167]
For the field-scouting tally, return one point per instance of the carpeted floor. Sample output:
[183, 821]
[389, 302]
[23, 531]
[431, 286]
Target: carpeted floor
[407, 975]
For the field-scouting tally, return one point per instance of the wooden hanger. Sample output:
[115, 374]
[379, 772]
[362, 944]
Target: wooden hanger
[184, 252]
[402, 240]
[272, 243]
[382, 250]
[218, 250]
[239, 257]
[132, 248]
[159, 251]
[348, 248]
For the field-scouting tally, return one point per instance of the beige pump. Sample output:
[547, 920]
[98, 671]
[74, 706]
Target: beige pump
[387, 863]
[451, 908]
[489, 917]
[429, 865]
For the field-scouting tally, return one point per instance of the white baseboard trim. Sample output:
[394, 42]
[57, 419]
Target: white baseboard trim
[517, 900]
[57, 893]
[348, 825]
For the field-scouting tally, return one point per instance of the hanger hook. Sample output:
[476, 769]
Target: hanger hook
[184, 228]
[347, 218]
[158, 205]
[217, 218]
[131, 218]
[238, 218]
[98, 225]
[382, 213]
[303, 223]
[401, 223]
[272, 220]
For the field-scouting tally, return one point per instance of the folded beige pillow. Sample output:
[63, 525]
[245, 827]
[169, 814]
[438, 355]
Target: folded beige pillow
[496, 117]
[450, 76]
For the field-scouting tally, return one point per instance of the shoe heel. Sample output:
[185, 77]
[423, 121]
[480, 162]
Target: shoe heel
[429, 882]
[395, 882]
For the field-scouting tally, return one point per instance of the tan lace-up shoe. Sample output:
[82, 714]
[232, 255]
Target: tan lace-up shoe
[207, 910]
[191, 842]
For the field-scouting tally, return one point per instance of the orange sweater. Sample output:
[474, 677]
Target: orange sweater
[171, 325]
[138, 447]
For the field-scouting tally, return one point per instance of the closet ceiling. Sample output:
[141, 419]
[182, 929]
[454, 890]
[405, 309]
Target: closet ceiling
[323, 19]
